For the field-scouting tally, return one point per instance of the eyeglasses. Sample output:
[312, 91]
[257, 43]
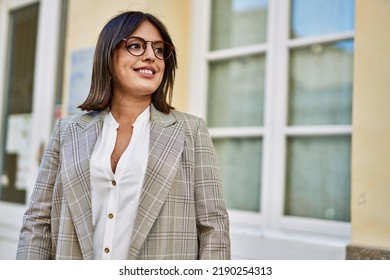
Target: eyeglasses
[137, 46]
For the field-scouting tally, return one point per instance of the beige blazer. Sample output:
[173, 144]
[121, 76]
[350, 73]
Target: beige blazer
[181, 214]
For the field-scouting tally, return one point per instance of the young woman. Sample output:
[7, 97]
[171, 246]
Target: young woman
[131, 178]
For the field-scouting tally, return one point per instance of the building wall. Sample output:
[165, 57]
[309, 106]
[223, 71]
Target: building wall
[371, 126]
[86, 19]
[371, 120]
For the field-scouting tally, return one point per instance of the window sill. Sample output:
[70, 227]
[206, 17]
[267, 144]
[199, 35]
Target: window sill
[249, 243]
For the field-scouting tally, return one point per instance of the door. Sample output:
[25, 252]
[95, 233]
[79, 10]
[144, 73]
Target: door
[29, 34]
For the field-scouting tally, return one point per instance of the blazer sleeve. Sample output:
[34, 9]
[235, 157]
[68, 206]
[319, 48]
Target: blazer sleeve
[212, 216]
[35, 235]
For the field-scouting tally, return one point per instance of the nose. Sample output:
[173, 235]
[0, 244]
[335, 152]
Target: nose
[149, 53]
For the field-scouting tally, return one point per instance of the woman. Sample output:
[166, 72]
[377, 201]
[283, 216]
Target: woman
[131, 178]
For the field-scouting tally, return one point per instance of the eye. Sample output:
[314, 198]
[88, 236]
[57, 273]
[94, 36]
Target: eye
[158, 48]
[134, 46]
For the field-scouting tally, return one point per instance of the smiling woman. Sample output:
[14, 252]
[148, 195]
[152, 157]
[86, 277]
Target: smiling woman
[132, 178]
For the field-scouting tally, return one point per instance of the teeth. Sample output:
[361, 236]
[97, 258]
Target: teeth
[145, 71]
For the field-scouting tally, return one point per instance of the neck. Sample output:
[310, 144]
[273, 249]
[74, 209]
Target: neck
[127, 111]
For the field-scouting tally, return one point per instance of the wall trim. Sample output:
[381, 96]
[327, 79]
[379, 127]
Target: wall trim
[360, 252]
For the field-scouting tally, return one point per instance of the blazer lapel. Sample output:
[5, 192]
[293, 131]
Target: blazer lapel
[77, 150]
[166, 146]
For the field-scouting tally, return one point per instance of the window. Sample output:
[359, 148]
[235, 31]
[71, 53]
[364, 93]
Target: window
[273, 79]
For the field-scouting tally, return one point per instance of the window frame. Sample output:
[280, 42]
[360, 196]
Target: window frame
[275, 130]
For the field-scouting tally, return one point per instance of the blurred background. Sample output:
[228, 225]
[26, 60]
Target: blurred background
[294, 92]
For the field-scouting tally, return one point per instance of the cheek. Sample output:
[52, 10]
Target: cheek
[121, 61]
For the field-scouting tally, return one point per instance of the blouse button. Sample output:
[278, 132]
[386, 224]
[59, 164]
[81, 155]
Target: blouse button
[106, 250]
[110, 216]
[113, 183]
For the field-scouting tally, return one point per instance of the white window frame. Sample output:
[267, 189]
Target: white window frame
[275, 130]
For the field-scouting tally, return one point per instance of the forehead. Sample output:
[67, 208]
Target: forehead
[148, 32]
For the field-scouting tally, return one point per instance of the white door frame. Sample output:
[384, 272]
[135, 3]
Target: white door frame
[43, 102]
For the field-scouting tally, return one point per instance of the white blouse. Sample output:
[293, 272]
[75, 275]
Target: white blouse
[115, 196]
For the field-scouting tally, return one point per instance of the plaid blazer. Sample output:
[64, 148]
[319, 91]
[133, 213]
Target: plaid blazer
[181, 214]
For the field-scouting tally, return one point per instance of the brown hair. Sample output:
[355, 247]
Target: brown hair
[118, 28]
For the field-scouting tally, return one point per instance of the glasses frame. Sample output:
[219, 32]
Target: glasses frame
[145, 46]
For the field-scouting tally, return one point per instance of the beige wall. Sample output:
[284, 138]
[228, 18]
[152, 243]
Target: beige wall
[87, 17]
[371, 126]
[371, 114]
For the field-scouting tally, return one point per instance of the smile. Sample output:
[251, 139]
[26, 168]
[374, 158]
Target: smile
[145, 71]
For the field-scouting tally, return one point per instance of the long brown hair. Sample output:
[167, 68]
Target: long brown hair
[118, 28]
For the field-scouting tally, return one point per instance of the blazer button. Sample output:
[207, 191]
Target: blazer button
[110, 216]
[113, 183]
[106, 250]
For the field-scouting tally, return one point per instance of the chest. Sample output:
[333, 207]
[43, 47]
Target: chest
[122, 141]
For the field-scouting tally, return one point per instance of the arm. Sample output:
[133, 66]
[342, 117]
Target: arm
[35, 235]
[212, 216]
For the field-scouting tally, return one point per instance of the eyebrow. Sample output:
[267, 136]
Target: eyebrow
[145, 39]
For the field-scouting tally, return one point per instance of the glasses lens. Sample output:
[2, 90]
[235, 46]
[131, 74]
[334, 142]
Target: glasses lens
[135, 46]
[162, 50]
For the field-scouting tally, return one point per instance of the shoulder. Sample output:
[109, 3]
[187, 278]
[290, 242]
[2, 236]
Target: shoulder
[194, 124]
[84, 119]
[191, 120]
[73, 123]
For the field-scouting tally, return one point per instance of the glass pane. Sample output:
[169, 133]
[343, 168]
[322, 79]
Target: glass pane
[236, 92]
[18, 103]
[318, 177]
[236, 23]
[240, 162]
[320, 17]
[321, 84]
